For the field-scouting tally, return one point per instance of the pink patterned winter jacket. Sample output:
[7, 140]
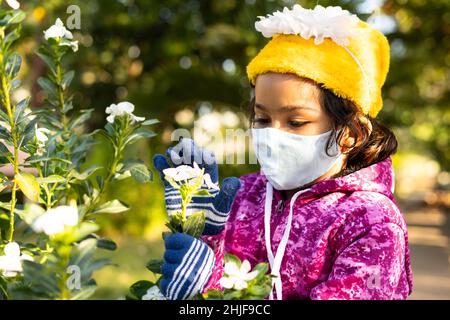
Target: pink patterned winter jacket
[348, 238]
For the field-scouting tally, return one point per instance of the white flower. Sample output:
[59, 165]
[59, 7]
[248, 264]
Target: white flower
[237, 277]
[207, 180]
[55, 220]
[13, 4]
[189, 174]
[120, 109]
[183, 172]
[11, 262]
[73, 45]
[58, 30]
[41, 137]
[319, 23]
[153, 293]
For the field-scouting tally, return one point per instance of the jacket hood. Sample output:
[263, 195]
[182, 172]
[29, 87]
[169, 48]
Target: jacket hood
[378, 177]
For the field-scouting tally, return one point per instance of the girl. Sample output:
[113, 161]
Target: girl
[321, 212]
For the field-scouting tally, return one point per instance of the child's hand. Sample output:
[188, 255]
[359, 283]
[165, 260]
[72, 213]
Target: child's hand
[216, 206]
[188, 264]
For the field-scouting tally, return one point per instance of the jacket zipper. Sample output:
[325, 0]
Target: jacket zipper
[280, 206]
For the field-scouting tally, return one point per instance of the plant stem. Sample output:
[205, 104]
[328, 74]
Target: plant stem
[61, 102]
[10, 111]
[118, 150]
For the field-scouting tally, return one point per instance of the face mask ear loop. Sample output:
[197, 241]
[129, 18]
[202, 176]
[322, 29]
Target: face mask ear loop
[275, 264]
[267, 215]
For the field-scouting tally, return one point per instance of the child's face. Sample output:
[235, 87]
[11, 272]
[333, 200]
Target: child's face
[289, 103]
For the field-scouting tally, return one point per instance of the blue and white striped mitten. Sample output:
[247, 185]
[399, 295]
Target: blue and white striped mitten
[188, 265]
[217, 205]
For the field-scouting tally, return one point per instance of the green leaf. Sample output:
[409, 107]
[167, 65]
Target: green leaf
[213, 294]
[149, 122]
[114, 206]
[139, 289]
[262, 269]
[86, 174]
[233, 295]
[195, 224]
[48, 60]
[29, 132]
[232, 258]
[34, 159]
[100, 181]
[14, 84]
[48, 86]
[68, 105]
[4, 117]
[155, 266]
[40, 279]
[29, 185]
[20, 107]
[106, 244]
[260, 291]
[4, 151]
[84, 229]
[110, 129]
[83, 117]
[123, 175]
[85, 251]
[140, 173]
[13, 64]
[7, 206]
[10, 38]
[54, 178]
[14, 17]
[67, 79]
[202, 192]
[138, 134]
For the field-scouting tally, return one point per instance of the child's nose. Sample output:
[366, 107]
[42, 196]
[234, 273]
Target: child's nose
[276, 124]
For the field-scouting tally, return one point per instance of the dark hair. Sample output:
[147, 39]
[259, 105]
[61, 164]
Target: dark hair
[368, 147]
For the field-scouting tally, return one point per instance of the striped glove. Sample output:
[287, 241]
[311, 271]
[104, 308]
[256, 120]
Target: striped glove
[188, 264]
[217, 205]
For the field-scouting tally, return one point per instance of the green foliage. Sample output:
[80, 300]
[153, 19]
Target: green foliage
[139, 289]
[195, 224]
[64, 195]
[256, 289]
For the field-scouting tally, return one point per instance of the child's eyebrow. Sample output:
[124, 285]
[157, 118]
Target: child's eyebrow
[287, 108]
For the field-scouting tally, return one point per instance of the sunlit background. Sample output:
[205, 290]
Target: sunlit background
[184, 60]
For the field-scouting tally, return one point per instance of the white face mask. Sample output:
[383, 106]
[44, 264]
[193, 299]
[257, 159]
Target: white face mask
[290, 160]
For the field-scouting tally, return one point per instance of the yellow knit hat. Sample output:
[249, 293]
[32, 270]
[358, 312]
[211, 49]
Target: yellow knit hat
[330, 46]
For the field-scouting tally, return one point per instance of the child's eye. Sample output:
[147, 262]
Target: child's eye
[296, 123]
[261, 121]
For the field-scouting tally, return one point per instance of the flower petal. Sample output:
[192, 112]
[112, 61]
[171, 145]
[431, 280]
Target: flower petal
[12, 249]
[250, 276]
[245, 266]
[13, 4]
[240, 284]
[226, 282]
[231, 269]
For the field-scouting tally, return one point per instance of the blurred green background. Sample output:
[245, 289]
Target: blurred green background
[184, 60]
